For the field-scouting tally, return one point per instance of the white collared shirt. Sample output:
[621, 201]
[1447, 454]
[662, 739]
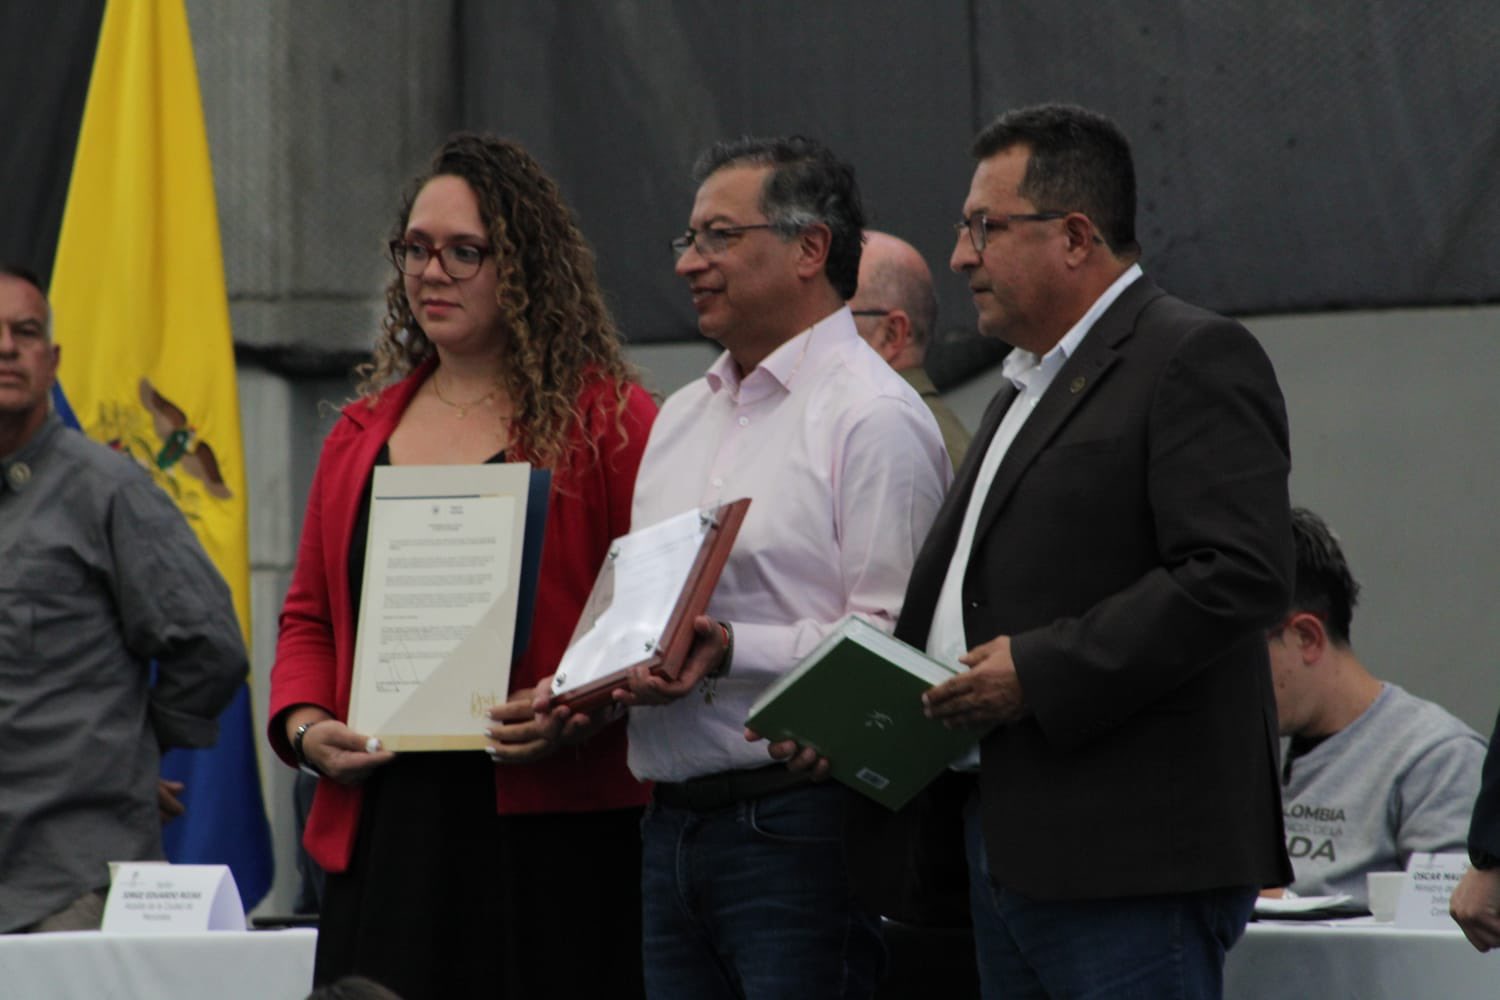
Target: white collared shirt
[1031, 376]
[845, 469]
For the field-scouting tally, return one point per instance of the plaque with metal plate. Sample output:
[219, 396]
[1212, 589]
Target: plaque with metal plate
[653, 584]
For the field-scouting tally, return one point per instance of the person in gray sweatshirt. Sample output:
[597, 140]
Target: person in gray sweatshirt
[1370, 773]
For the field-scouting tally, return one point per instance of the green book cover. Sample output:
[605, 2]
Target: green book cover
[857, 699]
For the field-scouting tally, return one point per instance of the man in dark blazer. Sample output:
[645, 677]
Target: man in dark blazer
[1476, 900]
[1107, 564]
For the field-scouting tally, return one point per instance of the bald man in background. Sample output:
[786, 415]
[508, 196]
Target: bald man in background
[895, 311]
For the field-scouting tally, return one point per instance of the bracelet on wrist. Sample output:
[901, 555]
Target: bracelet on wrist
[304, 763]
[710, 683]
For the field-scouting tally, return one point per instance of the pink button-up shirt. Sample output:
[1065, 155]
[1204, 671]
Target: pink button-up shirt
[846, 469]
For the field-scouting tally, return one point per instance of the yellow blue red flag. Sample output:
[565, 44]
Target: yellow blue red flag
[148, 360]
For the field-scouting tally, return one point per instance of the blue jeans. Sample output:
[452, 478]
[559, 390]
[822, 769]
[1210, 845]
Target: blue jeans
[1168, 947]
[752, 901]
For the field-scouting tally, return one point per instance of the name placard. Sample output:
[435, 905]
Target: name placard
[1430, 880]
[148, 898]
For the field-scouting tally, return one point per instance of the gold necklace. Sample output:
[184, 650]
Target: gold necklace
[462, 408]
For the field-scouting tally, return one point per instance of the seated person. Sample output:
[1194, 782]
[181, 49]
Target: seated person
[1371, 774]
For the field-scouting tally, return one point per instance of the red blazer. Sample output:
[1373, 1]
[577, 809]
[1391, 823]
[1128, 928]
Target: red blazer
[590, 505]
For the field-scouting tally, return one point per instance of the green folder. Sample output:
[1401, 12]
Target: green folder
[857, 699]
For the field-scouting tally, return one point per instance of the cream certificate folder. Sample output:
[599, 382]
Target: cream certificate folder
[437, 611]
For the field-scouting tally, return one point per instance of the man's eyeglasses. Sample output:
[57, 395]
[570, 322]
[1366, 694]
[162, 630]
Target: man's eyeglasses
[979, 225]
[711, 241]
[458, 260]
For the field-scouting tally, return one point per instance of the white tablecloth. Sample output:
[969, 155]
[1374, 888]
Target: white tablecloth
[1357, 960]
[222, 965]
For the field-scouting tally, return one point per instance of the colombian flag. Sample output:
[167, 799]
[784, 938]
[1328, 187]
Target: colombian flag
[148, 361]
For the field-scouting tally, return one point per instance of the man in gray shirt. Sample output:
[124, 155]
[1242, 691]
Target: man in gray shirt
[99, 576]
[1370, 774]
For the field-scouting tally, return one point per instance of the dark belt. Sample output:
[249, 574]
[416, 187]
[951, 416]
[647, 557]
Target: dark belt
[715, 791]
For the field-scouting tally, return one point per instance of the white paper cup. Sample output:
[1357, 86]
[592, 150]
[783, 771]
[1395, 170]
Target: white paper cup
[1384, 888]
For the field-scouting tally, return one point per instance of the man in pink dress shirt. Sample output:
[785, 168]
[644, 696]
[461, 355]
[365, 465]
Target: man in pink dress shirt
[745, 887]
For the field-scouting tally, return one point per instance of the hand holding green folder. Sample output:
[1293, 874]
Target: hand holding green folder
[857, 699]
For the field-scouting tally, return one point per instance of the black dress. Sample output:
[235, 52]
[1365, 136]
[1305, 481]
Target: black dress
[445, 898]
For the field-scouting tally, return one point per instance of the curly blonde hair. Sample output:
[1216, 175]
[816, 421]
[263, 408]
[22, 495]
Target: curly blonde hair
[560, 332]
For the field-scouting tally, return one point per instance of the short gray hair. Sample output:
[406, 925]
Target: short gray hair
[807, 185]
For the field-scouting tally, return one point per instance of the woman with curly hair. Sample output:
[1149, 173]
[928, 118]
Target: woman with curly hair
[451, 871]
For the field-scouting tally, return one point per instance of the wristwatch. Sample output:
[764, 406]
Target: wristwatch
[305, 765]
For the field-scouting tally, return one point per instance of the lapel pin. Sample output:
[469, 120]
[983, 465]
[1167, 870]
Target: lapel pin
[1076, 386]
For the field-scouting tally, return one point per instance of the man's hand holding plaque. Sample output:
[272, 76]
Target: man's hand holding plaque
[706, 659]
[569, 725]
[643, 637]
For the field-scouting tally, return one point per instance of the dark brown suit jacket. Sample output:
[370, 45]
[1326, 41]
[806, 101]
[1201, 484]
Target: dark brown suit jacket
[1136, 544]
